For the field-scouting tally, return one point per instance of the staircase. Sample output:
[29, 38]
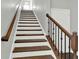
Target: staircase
[30, 41]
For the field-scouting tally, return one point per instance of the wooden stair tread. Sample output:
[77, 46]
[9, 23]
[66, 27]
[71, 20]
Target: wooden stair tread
[29, 34]
[28, 18]
[27, 49]
[27, 15]
[28, 22]
[30, 40]
[36, 57]
[29, 29]
[28, 26]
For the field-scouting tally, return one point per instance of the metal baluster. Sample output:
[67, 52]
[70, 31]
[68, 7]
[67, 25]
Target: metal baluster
[58, 41]
[53, 34]
[65, 46]
[48, 26]
[61, 44]
[69, 49]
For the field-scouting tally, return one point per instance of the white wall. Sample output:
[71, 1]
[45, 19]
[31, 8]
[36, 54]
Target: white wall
[41, 7]
[72, 6]
[62, 16]
[8, 8]
[6, 46]
[60, 4]
[74, 15]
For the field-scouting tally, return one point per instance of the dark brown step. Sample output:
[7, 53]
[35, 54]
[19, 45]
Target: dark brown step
[27, 49]
[28, 22]
[28, 18]
[29, 29]
[29, 34]
[30, 40]
[28, 26]
[27, 13]
[36, 57]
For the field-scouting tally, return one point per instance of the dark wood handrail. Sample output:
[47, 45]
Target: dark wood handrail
[6, 37]
[64, 30]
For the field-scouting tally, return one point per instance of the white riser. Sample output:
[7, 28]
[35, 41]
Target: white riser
[31, 44]
[28, 27]
[29, 32]
[35, 53]
[28, 21]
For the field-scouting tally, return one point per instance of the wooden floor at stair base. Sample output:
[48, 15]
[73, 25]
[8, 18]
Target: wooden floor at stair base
[27, 49]
[30, 41]
[36, 57]
[67, 56]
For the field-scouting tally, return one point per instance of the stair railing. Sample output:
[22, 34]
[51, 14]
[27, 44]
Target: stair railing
[6, 37]
[58, 33]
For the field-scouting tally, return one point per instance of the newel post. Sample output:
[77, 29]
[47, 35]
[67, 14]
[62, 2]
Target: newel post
[74, 44]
